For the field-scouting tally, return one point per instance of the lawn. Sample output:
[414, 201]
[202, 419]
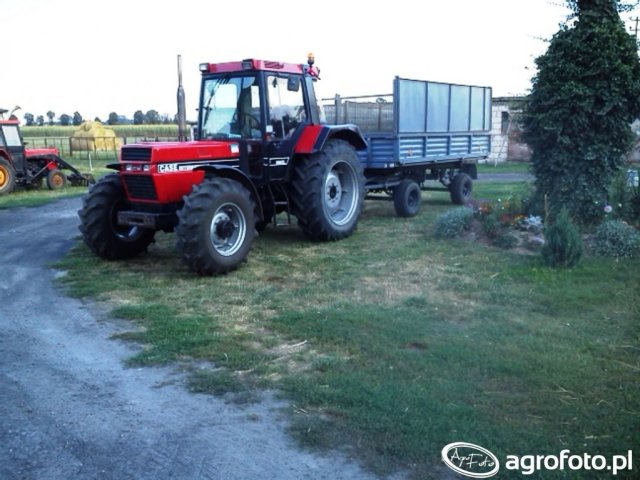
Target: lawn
[393, 344]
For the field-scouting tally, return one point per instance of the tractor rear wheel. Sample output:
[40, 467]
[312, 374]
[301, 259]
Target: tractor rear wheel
[7, 177]
[328, 192]
[99, 222]
[56, 179]
[216, 226]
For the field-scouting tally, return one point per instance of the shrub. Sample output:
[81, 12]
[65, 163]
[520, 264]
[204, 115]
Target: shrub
[615, 238]
[622, 197]
[506, 240]
[563, 244]
[491, 225]
[454, 223]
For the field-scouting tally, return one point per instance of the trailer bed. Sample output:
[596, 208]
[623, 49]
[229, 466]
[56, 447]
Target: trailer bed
[422, 123]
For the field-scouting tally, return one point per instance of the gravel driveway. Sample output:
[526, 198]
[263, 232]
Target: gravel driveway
[70, 410]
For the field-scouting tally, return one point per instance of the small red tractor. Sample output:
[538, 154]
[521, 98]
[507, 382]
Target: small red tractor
[262, 148]
[28, 167]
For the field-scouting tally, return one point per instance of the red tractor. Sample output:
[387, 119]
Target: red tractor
[260, 149]
[29, 166]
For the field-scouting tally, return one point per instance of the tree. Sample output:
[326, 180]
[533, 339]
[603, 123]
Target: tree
[77, 118]
[138, 117]
[50, 116]
[113, 118]
[578, 5]
[40, 120]
[152, 117]
[65, 120]
[28, 119]
[578, 115]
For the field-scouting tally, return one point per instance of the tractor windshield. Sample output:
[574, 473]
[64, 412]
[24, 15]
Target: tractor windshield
[11, 135]
[230, 107]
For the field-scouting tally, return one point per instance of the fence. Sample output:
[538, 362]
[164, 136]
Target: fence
[372, 113]
[98, 148]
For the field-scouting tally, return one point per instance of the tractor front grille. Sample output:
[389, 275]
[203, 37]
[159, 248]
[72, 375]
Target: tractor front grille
[136, 154]
[141, 186]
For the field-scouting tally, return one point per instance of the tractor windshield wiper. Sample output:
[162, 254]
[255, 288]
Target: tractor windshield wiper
[216, 86]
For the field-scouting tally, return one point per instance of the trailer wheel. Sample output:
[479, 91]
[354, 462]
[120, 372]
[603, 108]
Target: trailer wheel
[328, 192]
[407, 198]
[461, 189]
[216, 226]
[98, 222]
[7, 177]
[56, 179]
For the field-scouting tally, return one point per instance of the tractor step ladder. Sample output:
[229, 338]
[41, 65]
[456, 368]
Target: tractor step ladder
[279, 198]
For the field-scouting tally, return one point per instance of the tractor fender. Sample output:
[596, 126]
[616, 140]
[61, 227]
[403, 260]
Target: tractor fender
[314, 137]
[231, 173]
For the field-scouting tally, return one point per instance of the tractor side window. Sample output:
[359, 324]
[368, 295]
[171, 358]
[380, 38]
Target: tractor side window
[286, 104]
[11, 135]
[231, 108]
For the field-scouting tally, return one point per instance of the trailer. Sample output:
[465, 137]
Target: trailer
[424, 132]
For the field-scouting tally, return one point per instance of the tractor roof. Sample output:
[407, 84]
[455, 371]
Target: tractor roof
[9, 122]
[253, 64]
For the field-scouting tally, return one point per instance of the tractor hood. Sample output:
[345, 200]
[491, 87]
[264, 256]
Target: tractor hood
[40, 152]
[161, 152]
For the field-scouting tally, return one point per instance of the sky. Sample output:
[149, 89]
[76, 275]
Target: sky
[121, 55]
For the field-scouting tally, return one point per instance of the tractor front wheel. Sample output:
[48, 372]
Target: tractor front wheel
[328, 192]
[99, 222]
[56, 179]
[216, 226]
[7, 177]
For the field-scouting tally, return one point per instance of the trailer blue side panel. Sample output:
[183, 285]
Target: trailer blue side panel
[433, 122]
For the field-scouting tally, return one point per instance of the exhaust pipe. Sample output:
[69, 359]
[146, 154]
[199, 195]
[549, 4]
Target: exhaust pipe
[182, 115]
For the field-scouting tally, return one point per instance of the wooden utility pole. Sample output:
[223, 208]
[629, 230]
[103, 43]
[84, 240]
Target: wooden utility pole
[635, 29]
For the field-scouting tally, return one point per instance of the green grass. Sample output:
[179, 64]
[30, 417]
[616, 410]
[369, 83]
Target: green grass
[393, 343]
[504, 167]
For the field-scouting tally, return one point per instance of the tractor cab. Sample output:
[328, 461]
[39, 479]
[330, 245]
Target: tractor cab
[11, 145]
[262, 106]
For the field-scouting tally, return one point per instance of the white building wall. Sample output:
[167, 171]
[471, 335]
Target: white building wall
[499, 141]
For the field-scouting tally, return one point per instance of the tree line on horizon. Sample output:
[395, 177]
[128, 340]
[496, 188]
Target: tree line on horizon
[151, 117]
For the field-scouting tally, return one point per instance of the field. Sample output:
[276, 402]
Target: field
[392, 344]
[120, 131]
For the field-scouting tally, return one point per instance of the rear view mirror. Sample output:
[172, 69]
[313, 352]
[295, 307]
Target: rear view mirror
[293, 84]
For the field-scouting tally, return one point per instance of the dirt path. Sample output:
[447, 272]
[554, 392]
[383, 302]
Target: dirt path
[70, 410]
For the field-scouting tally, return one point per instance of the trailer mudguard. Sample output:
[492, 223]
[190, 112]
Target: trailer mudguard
[314, 137]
